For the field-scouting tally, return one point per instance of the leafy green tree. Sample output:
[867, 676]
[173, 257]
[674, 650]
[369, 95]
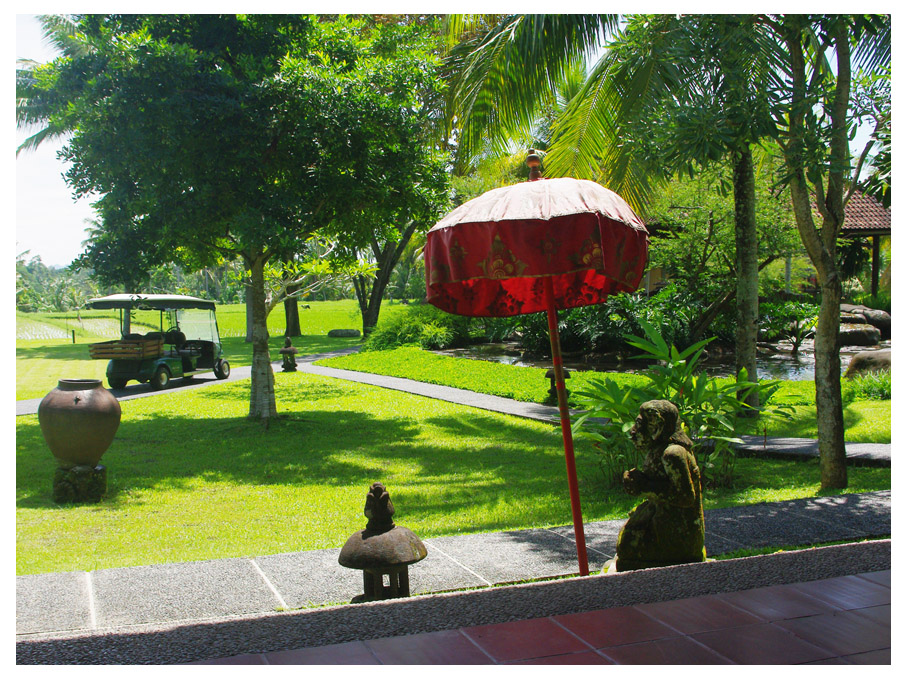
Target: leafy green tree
[722, 83]
[693, 239]
[211, 137]
[815, 116]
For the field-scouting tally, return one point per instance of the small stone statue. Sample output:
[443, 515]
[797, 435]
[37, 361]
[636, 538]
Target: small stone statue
[383, 550]
[379, 509]
[288, 352]
[668, 527]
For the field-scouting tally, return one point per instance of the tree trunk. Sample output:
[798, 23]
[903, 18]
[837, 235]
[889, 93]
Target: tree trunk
[829, 405]
[747, 247]
[821, 245]
[372, 309]
[262, 403]
[249, 315]
[387, 258]
[291, 311]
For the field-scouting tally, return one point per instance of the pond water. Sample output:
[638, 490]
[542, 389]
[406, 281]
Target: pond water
[774, 362]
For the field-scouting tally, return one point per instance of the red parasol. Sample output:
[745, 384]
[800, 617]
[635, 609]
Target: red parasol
[537, 246]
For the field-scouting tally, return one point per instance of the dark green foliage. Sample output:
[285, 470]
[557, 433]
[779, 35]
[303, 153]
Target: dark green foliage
[881, 301]
[603, 328]
[594, 329]
[422, 325]
[710, 409]
[790, 321]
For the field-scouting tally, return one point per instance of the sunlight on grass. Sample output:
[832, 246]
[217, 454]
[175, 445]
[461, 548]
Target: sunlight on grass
[191, 479]
[51, 355]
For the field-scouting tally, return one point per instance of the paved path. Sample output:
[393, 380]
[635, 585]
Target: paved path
[87, 609]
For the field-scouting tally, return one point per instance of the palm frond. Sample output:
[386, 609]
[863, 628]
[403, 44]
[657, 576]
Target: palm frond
[873, 49]
[35, 140]
[62, 31]
[500, 78]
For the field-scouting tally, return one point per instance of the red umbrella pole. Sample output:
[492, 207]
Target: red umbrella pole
[565, 429]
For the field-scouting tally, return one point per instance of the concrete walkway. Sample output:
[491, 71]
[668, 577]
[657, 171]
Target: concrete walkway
[72, 617]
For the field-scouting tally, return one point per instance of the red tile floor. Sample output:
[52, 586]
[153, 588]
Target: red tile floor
[844, 620]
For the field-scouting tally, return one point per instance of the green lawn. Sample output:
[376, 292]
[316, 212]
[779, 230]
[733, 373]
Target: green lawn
[191, 479]
[45, 351]
[864, 421]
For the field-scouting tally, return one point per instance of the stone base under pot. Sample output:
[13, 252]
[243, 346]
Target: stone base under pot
[80, 484]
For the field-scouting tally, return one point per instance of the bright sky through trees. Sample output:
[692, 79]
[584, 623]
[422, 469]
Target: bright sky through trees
[48, 222]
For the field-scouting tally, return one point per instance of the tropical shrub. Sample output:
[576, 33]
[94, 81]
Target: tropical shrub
[710, 409]
[875, 386]
[422, 325]
[790, 321]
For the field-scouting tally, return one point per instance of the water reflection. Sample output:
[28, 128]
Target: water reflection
[773, 361]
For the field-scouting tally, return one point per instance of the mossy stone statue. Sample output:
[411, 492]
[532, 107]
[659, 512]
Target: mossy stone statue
[668, 527]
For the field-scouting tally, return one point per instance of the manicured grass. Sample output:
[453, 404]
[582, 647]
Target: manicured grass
[522, 383]
[50, 353]
[865, 421]
[191, 479]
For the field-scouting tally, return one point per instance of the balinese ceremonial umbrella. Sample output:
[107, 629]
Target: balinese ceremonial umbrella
[541, 245]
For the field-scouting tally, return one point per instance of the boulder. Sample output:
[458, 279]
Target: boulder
[869, 361]
[861, 334]
[879, 319]
[852, 317]
[344, 333]
[852, 309]
[876, 317]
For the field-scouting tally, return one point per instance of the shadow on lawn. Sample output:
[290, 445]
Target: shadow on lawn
[479, 461]
[59, 352]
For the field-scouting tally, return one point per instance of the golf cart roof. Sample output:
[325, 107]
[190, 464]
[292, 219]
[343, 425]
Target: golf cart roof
[143, 301]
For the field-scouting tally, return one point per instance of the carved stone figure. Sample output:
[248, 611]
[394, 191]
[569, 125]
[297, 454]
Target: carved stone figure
[668, 527]
[288, 352]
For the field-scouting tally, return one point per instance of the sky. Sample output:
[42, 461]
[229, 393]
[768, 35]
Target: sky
[49, 223]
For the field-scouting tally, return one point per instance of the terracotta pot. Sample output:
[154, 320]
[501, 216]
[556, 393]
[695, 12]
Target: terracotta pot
[78, 420]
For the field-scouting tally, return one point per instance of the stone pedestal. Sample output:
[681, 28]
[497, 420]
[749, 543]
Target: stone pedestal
[383, 550]
[80, 484]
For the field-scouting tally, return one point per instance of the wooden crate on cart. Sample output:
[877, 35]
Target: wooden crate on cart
[138, 348]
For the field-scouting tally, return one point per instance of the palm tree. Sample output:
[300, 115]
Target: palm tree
[721, 82]
[31, 108]
[662, 66]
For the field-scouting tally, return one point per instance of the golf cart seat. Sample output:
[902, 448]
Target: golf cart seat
[175, 338]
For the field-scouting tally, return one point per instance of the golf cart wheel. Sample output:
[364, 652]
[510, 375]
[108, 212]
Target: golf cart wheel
[222, 369]
[161, 378]
[116, 383]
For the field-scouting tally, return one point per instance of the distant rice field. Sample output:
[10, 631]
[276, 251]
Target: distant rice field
[48, 328]
[29, 329]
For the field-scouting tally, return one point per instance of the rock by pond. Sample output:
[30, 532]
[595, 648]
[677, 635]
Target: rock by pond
[869, 361]
[861, 334]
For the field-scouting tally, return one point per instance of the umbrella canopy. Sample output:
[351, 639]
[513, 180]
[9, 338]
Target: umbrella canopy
[542, 245]
[489, 256]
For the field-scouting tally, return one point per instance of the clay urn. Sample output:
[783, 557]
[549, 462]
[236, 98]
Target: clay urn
[79, 419]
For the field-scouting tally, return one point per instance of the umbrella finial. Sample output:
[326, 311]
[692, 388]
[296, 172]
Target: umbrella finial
[534, 162]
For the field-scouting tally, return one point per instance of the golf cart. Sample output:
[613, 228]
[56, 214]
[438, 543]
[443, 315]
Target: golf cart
[189, 345]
